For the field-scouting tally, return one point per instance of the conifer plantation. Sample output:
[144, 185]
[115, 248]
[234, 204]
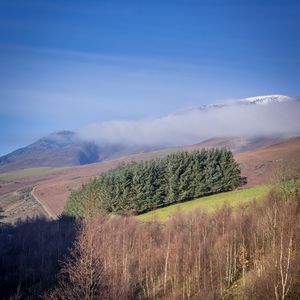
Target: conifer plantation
[144, 186]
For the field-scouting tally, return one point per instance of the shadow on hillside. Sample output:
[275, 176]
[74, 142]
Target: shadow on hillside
[31, 253]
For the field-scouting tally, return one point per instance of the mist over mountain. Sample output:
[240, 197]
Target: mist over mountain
[64, 148]
[240, 125]
[274, 115]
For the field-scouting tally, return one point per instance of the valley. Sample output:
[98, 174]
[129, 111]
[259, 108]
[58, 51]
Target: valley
[150, 150]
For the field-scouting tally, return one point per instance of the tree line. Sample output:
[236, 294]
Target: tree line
[144, 186]
[31, 252]
[250, 253]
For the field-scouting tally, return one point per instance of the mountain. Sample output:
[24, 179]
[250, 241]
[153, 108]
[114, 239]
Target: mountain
[61, 148]
[238, 144]
[261, 100]
[266, 99]
[67, 148]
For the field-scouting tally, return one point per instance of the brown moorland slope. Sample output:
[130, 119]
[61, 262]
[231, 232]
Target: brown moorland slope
[256, 165]
[52, 189]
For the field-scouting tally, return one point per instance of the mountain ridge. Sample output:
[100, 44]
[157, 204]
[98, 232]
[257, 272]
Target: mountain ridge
[262, 100]
[68, 148]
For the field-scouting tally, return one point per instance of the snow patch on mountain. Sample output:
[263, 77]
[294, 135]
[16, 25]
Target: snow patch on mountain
[266, 99]
[273, 115]
[260, 100]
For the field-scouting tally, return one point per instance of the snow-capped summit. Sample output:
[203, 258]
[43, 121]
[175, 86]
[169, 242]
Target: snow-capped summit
[259, 100]
[266, 99]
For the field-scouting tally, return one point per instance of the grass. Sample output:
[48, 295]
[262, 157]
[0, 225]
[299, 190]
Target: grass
[23, 173]
[209, 203]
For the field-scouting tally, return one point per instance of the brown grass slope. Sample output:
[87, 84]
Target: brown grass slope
[52, 190]
[256, 165]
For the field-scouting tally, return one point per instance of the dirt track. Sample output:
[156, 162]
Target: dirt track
[44, 204]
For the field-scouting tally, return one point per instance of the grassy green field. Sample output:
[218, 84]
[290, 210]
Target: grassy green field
[20, 174]
[209, 203]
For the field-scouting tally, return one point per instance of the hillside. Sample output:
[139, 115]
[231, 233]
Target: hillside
[257, 165]
[211, 203]
[58, 149]
[238, 144]
[52, 187]
[218, 245]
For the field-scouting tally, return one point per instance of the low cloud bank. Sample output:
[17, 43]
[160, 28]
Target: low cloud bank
[196, 125]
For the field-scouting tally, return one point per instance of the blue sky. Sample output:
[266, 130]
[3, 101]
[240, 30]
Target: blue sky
[66, 64]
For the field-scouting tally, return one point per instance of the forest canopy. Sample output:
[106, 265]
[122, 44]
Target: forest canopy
[144, 186]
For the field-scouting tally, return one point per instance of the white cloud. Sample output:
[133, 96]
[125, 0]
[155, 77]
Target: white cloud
[196, 125]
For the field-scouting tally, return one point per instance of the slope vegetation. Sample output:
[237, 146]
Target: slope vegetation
[211, 203]
[144, 186]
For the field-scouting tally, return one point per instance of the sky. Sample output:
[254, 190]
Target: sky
[68, 64]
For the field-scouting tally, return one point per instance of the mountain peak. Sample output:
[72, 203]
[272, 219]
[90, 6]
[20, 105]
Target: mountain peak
[62, 134]
[260, 100]
[256, 100]
[61, 137]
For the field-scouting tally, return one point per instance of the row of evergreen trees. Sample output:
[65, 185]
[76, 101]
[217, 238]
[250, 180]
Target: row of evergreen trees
[144, 186]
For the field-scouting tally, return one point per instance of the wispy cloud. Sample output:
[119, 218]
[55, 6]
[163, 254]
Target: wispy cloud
[84, 86]
[101, 58]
